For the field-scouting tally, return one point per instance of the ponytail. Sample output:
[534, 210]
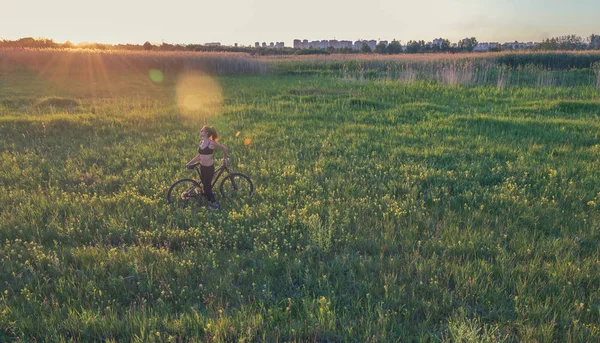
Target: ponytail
[212, 132]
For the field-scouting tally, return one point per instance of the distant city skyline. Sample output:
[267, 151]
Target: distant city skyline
[247, 22]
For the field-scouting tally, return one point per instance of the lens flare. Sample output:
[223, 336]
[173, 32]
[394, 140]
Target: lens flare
[155, 75]
[199, 96]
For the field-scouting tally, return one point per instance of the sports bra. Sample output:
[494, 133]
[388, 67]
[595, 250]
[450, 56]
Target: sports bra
[205, 151]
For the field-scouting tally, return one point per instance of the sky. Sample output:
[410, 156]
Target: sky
[248, 21]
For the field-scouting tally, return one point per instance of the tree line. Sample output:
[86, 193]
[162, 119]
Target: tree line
[568, 42]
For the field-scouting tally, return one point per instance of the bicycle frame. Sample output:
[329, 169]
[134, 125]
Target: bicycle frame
[216, 177]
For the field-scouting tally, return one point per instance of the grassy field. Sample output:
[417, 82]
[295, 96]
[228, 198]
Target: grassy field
[384, 210]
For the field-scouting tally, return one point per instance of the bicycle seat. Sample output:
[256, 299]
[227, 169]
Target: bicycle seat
[193, 166]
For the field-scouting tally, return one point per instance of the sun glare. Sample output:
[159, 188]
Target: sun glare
[199, 96]
[156, 75]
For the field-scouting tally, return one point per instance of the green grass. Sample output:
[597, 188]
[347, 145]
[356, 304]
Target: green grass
[383, 211]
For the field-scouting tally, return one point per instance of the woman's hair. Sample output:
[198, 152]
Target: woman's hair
[212, 132]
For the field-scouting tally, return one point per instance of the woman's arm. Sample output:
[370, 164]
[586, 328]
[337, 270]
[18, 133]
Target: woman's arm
[223, 148]
[194, 160]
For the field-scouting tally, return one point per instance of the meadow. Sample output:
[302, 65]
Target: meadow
[387, 207]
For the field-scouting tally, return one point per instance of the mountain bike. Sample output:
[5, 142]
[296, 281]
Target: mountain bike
[186, 191]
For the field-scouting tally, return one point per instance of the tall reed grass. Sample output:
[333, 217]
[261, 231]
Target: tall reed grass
[550, 60]
[596, 68]
[491, 69]
[83, 61]
[447, 70]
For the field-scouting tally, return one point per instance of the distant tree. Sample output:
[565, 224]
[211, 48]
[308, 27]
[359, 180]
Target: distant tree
[467, 44]
[429, 47]
[473, 43]
[310, 51]
[568, 42]
[414, 47]
[445, 45]
[39, 43]
[46, 43]
[148, 46]
[347, 50]
[26, 42]
[594, 42]
[571, 42]
[548, 44]
[164, 46]
[394, 47]
[365, 48]
[381, 48]
[497, 48]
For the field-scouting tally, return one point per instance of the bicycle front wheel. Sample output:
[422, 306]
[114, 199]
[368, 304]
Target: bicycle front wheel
[236, 185]
[184, 192]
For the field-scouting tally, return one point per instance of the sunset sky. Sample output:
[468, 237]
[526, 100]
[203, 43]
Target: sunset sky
[248, 21]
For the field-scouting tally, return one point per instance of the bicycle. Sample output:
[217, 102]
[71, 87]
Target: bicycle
[183, 191]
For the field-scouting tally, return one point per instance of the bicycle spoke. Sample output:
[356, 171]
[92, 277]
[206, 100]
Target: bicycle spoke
[183, 193]
[236, 186]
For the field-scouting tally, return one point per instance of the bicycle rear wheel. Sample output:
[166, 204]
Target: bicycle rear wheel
[236, 185]
[184, 192]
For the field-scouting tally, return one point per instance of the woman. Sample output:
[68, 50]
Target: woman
[204, 158]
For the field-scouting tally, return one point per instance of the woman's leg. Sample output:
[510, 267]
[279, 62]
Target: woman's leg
[207, 175]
